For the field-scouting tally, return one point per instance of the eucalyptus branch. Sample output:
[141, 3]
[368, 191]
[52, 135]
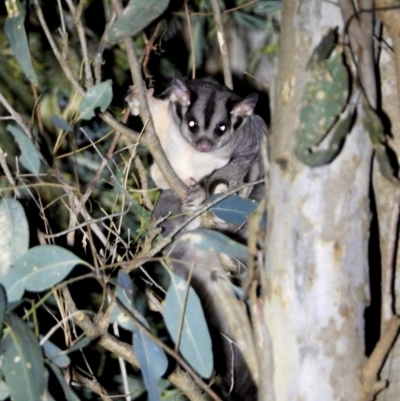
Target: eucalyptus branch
[4, 166]
[87, 223]
[144, 184]
[60, 57]
[371, 385]
[222, 44]
[167, 239]
[77, 12]
[16, 116]
[92, 384]
[98, 331]
[150, 138]
[192, 51]
[170, 352]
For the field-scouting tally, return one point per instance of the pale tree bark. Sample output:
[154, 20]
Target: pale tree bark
[316, 263]
[387, 204]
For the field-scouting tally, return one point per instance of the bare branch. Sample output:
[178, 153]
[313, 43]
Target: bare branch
[150, 138]
[222, 44]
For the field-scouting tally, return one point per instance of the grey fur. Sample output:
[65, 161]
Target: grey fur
[208, 106]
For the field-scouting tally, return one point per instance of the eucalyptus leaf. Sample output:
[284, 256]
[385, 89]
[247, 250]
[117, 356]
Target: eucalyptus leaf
[15, 30]
[234, 209]
[135, 17]
[14, 239]
[98, 96]
[125, 290]
[46, 266]
[59, 122]
[55, 354]
[40, 268]
[214, 241]
[82, 343]
[4, 393]
[30, 157]
[324, 99]
[14, 283]
[195, 341]
[23, 366]
[152, 360]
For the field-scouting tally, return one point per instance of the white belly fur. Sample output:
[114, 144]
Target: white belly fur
[185, 160]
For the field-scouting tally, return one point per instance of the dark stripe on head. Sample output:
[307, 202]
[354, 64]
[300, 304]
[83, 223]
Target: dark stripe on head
[193, 98]
[209, 110]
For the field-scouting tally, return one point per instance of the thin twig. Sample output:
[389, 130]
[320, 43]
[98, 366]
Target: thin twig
[4, 166]
[98, 331]
[16, 117]
[122, 367]
[192, 52]
[147, 51]
[227, 11]
[226, 69]
[144, 184]
[60, 58]
[92, 384]
[77, 12]
[88, 222]
[170, 352]
[167, 239]
[150, 138]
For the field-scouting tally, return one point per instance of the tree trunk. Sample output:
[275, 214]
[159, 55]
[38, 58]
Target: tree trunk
[317, 235]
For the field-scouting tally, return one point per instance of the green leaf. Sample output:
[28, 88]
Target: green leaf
[214, 241]
[324, 100]
[4, 393]
[45, 266]
[195, 341]
[136, 16]
[38, 269]
[82, 343]
[29, 158]
[23, 366]
[14, 283]
[234, 209]
[152, 360]
[55, 354]
[14, 239]
[15, 30]
[100, 96]
[59, 122]
[319, 157]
